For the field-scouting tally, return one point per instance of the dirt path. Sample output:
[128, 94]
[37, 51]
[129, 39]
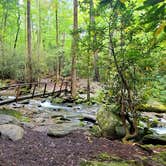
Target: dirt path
[37, 149]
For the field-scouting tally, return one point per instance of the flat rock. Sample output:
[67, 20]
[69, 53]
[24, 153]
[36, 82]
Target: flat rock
[155, 139]
[6, 119]
[11, 131]
[61, 130]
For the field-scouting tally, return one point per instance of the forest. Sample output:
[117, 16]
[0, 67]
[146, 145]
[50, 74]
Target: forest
[83, 82]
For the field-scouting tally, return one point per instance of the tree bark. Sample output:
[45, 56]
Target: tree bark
[74, 48]
[96, 75]
[29, 49]
[18, 30]
[57, 42]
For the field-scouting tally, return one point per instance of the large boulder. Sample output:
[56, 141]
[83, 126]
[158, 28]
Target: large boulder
[6, 119]
[11, 131]
[109, 123]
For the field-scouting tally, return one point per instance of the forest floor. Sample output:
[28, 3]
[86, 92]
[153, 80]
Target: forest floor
[37, 148]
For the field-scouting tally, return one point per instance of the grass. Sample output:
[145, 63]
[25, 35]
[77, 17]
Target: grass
[160, 157]
[15, 114]
[97, 163]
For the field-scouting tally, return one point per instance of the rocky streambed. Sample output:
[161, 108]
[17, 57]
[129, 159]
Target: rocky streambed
[59, 120]
[56, 120]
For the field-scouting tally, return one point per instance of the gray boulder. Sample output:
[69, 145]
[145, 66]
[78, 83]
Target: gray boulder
[109, 123]
[6, 119]
[61, 130]
[11, 131]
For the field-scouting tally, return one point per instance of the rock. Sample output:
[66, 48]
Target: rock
[6, 119]
[11, 131]
[155, 139]
[57, 116]
[39, 120]
[27, 125]
[61, 130]
[24, 102]
[108, 122]
[120, 131]
[57, 100]
[88, 118]
[153, 106]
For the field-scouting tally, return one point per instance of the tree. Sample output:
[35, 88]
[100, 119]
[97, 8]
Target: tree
[29, 47]
[74, 47]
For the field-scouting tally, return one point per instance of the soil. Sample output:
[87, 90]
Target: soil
[38, 149]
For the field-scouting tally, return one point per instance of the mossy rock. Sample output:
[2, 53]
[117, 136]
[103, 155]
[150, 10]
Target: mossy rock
[108, 121]
[155, 139]
[152, 107]
[11, 112]
[15, 114]
[96, 131]
[57, 100]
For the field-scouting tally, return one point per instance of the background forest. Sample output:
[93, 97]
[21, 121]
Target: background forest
[138, 41]
[76, 70]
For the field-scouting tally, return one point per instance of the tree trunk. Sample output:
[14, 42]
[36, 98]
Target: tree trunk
[29, 49]
[96, 76]
[18, 30]
[38, 38]
[57, 42]
[74, 48]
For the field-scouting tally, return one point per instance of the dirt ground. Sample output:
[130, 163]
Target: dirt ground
[38, 149]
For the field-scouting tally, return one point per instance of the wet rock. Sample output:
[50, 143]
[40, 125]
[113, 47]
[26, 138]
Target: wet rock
[155, 139]
[16, 105]
[88, 118]
[24, 102]
[12, 132]
[6, 119]
[57, 100]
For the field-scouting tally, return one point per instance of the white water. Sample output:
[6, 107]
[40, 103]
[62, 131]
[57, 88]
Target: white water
[47, 104]
[159, 130]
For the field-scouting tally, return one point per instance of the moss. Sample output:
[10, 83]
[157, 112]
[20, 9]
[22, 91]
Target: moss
[158, 108]
[11, 112]
[104, 156]
[82, 124]
[57, 100]
[96, 131]
[96, 163]
[160, 158]
[15, 114]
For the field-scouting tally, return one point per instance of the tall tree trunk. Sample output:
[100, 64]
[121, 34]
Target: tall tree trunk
[29, 49]
[18, 30]
[2, 40]
[38, 38]
[74, 48]
[96, 76]
[57, 42]
[62, 58]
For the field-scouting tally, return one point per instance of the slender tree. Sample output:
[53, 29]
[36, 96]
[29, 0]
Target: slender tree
[29, 49]
[74, 48]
